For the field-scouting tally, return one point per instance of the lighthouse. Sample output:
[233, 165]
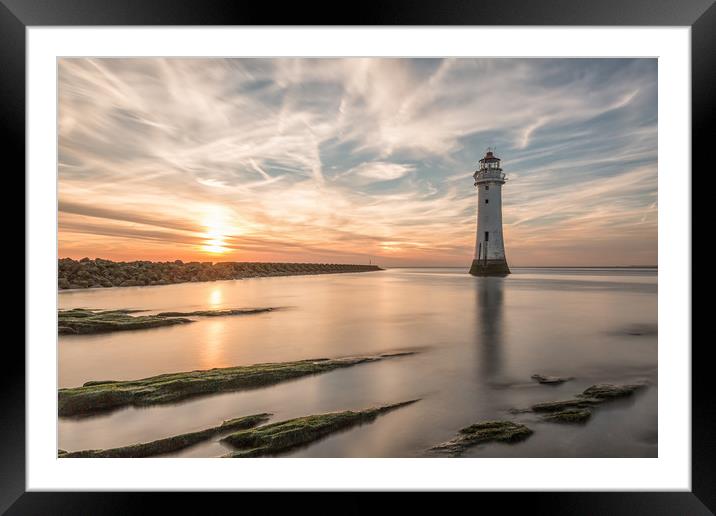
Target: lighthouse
[489, 245]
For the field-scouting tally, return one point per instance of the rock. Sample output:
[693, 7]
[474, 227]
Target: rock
[104, 273]
[638, 330]
[107, 395]
[607, 390]
[270, 440]
[557, 406]
[551, 380]
[174, 443]
[216, 313]
[571, 415]
[519, 410]
[486, 431]
[84, 321]
[577, 408]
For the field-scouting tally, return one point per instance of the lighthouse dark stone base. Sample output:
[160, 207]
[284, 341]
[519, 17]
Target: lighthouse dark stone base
[489, 268]
[489, 258]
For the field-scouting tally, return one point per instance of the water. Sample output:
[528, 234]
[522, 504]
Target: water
[479, 341]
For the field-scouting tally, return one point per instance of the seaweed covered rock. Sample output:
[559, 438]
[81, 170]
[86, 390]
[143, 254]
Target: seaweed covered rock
[486, 431]
[280, 437]
[608, 390]
[105, 395]
[571, 415]
[217, 313]
[576, 410]
[170, 444]
[557, 406]
[80, 321]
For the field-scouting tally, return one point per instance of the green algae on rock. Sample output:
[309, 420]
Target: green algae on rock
[106, 395]
[557, 406]
[607, 390]
[85, 321]
[572, 415]
[486, 431]
[79, 321]
[282, 436]
[576, 410]
[217, 313]
[170, 444]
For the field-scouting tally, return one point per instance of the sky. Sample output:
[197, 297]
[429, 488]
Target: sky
[356, 160]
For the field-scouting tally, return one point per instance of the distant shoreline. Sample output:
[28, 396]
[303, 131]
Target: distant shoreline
[530, 267]
[100, 273]
[585, 267]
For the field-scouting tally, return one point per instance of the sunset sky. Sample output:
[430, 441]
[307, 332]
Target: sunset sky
[339, 160]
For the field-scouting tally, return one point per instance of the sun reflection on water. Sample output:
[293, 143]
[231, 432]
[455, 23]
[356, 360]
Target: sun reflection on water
[213, 349]
[216, 296]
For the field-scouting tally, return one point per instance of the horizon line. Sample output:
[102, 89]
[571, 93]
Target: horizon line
[393, 266]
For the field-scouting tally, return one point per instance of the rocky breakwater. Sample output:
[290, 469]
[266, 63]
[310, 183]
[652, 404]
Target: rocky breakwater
[97, 273]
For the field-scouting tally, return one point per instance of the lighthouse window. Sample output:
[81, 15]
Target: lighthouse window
[487, 201]
[487, 236]
[487, 187]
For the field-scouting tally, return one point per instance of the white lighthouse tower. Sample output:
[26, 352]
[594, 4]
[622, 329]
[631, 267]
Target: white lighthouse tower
[489, 245]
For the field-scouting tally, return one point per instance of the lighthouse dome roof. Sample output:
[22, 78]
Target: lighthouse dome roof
[490, 156]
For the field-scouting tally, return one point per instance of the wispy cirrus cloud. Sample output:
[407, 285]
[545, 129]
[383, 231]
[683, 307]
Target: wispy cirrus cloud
[340, 159]
[381, 170]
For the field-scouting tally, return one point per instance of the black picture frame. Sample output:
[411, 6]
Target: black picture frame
[17, 15]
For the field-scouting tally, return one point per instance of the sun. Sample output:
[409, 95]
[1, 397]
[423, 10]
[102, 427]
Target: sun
[213, 248]
[216, 232]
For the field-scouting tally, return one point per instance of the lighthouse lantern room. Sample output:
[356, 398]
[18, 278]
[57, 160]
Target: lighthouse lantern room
[489, 257]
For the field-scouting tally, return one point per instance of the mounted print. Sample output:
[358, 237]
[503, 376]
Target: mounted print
[357, 257]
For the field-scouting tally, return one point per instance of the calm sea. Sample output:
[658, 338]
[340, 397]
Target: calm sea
[479, 341]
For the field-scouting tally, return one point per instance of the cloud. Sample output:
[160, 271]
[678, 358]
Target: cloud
[529, 130]
[211, 182]
[339, 159]
[381, 170]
